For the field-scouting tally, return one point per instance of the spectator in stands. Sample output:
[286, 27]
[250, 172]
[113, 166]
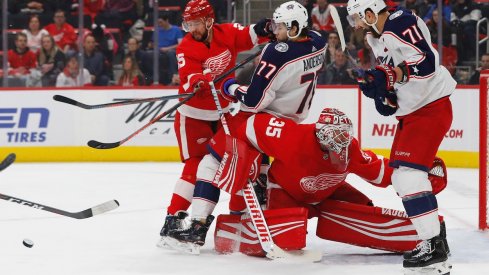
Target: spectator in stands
[91, 7]
[366, 56]
[72, 76]
[21, 60]
[169, 36]
[321, 18]
[420, 6]
[432, 25]
[332, 46]
[31, 6]
[339, 72]
[464, 17]
[143, 59]
[123, 12]
[131, 75]
[94, 62]
[475, 78]
[34, 33]
[51, 61]
[62, 32]
[356, 40]
[433, 5]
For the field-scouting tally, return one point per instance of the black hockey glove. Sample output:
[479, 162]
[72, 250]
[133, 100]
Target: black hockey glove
[260, 186]
[379, 85]
[263, 28]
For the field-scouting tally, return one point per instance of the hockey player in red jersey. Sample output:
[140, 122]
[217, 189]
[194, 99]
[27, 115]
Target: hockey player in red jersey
[214, 47]
[411, 84]
[283, 84]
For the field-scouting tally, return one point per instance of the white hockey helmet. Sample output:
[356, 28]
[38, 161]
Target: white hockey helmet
[334, 130]
[357, 8]
[289, 12]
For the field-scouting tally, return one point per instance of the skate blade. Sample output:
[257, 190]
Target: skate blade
[438, 269]
[162, 243]
[301, 256]
[188, 248]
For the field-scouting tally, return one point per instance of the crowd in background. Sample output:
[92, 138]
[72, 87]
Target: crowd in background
[118, 47]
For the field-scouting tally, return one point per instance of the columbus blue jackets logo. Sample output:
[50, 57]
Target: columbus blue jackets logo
[395, 15]
[282, 47]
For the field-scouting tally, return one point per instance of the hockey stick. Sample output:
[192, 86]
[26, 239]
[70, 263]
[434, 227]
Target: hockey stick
[73, 102]
[102, 145]
[90, 212]
[272, 251]
[7, 161]
[339, 28]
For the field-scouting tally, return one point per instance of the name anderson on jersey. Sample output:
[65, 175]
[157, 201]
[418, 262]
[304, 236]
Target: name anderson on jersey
[314, 61]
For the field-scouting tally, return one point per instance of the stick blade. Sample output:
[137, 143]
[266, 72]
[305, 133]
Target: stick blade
[339, 28]
[96, 210]
[70, 101]
[298, 256]
[101, 145]
[105, 207]
[7, 161]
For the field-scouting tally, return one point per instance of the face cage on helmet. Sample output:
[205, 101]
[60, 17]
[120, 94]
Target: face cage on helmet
[335, 137]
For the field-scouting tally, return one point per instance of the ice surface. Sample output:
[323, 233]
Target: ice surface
[123, 241]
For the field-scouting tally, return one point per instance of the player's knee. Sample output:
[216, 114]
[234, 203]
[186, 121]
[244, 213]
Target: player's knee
[207, 168]
[408, 181]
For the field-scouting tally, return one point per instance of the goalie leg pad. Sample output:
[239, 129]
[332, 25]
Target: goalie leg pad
[239, 163]
[366, 226]
[288, 227]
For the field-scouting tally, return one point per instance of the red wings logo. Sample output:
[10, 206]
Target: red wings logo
[217, 64]
[321, 182]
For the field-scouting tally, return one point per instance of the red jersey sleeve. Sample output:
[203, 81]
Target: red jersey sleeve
[369, 166]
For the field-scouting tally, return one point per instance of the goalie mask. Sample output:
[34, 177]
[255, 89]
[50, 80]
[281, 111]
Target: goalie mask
[287, 13]
[334, 132]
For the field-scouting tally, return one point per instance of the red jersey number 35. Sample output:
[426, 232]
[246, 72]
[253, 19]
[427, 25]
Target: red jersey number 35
[275, 127]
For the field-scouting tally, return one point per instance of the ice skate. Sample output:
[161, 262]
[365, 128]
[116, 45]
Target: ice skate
[429, 257]
[443, 235]
[191, 239]
[172, 222]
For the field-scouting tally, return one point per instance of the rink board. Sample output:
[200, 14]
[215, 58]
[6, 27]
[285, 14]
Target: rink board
[38, 128]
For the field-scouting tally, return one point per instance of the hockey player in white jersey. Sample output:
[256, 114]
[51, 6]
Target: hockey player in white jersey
[410, 83]
[283, 84]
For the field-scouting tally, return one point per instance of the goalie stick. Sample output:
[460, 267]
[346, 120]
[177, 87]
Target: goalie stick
[87, 213]
[103, 145]
[73, 102]
[272, 251]
[7, 161]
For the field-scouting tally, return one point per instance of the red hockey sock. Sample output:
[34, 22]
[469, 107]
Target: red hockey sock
[177, 203]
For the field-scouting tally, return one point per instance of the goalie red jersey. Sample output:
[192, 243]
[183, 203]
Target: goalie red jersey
[220, 56]
[313, 177]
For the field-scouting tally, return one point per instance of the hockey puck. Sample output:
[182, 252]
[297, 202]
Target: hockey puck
[28, 243]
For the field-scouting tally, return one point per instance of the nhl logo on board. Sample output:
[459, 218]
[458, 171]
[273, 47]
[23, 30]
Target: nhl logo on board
[282, 47]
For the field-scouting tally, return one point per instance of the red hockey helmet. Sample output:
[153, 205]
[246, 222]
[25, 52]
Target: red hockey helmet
[197, 9]
[334, 132]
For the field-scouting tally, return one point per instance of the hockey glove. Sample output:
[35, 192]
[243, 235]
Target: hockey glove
[200, 82]
[228, 89]
[264, 28]
[384, 108]
[260, 186]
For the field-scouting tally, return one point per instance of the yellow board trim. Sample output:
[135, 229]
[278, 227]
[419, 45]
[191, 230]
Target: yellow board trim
[169, 153]
[451, 158]
[84, 153]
